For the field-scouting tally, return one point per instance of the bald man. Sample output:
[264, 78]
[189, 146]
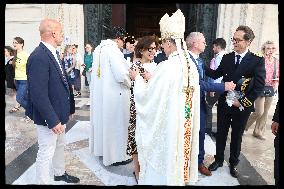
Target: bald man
[51, 102]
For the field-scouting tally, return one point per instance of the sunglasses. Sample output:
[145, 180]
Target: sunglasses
[150, 49]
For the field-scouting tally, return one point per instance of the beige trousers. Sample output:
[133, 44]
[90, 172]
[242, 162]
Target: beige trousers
[262, 106]
[50, 155]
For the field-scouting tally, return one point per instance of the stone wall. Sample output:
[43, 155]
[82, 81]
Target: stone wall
[262, 18]
[23, 20]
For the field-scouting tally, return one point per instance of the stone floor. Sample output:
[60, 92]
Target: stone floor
[21, 139]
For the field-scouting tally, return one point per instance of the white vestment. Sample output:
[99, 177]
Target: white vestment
[110, 104]
[160, 108]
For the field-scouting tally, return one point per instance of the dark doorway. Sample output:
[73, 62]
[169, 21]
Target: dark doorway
[143, 19]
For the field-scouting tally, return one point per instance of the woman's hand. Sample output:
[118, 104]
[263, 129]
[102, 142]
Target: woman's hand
[146, 75]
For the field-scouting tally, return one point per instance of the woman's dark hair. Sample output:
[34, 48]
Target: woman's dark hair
[143, 44]
[10, 50]
[89, 43]
[20, 40]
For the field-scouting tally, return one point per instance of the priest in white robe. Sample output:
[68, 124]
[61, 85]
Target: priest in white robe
[167, 107]
[109, 97]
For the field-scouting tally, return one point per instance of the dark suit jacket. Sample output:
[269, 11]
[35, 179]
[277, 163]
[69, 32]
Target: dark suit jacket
[251, 66]
[207, 86]
[49, 97]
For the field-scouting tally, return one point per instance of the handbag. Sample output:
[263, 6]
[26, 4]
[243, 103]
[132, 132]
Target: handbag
[268, 91]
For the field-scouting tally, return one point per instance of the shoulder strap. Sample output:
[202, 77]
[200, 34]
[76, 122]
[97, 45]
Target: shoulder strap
[274, 72]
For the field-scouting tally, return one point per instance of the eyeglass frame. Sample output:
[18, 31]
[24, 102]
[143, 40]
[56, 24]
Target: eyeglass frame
[237, 40]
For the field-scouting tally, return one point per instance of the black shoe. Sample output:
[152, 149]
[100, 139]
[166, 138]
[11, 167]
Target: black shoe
[234, 171]
[122, 162]
[215, 165]
[67, 178]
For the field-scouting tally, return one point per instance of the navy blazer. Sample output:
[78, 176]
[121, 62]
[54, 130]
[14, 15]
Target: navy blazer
[49, 97]
[251, 66]
[207, 86]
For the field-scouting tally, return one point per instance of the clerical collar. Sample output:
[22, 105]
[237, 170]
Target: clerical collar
[243, 54]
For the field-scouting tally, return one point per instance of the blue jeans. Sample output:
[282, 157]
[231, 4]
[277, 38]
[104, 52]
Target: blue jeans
[21, 96]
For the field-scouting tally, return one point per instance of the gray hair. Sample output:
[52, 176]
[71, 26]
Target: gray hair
[192, 37]
[266, 43]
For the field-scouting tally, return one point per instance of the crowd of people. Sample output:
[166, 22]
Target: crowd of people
[151, 100]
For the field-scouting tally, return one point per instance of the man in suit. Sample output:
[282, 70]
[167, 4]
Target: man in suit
[240, 63]
[196, 44]
[275, 131]
[50, 103]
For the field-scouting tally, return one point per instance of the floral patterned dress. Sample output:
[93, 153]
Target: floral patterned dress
[131, 144]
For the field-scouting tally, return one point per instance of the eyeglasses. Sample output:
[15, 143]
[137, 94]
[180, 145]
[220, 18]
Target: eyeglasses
[150, 49]
[15, 42]
[236, 40]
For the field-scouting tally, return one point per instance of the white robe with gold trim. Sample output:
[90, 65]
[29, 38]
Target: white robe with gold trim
[160, 108]
[109, 103]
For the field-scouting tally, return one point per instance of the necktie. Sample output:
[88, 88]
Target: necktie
[200, 66]
[238, 61]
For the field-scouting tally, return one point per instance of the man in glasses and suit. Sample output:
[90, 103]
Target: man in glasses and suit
[240, 63]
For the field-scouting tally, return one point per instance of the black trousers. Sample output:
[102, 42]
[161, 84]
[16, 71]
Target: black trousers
[237, 121]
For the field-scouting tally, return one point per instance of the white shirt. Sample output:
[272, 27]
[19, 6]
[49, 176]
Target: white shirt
[218, 59]
[242, 55]
[195, 56]
[53, 51]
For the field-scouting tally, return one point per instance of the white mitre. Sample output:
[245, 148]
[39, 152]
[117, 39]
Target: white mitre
[173, 26]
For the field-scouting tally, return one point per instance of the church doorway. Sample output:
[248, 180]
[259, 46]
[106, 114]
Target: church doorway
[143, 19]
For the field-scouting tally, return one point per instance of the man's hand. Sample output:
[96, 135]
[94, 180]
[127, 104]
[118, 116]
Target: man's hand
[236, 103]
[229, 86]
[133, 73]
[146, 75]
[58, 129]
[274, 127]
[212, 94]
